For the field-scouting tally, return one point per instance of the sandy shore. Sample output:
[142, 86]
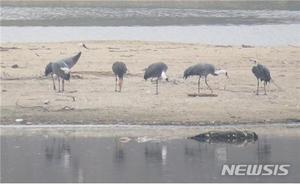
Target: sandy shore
[27, 94]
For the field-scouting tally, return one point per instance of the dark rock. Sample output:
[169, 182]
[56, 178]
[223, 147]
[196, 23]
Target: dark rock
[229, 137]
[15, 66]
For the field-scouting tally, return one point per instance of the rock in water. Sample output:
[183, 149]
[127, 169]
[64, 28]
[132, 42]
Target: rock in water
[230, 137]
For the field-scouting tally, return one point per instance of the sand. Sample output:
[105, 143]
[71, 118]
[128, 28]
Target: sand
[26, 94]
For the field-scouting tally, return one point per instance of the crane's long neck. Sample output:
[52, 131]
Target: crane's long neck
[76, 57]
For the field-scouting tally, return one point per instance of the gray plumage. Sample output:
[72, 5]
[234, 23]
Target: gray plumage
[261, 73]
[201, 70]
[61, 69]
[119, 69]
[156, 70]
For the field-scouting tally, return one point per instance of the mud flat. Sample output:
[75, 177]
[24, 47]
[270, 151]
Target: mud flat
[26, 95]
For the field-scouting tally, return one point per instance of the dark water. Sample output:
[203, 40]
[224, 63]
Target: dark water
[163, 13]
[70, 159]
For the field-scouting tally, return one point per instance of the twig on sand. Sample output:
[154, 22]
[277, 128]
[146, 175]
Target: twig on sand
[65, 108]
[247, 46]
[8, 48]
[202, 95]
[73, 97]
[31, 107]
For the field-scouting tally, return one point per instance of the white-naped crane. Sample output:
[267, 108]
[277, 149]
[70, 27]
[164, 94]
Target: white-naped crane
[262, 73]
[156, 70]
[119, 69]
[61, 69]
[203, 70]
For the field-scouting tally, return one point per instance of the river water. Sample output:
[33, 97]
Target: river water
[67, 157]
[235, 23]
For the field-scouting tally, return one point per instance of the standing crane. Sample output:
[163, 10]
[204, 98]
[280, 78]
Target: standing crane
[156, 70]
[203, 70]
[261, 73]
[119, 69]
[61, 69]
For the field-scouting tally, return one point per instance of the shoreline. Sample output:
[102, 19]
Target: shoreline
[149, 132]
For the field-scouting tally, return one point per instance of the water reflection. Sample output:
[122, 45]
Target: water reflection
[263, 150]
[153, 152]
[58, 151]
[119, 152]
[109, 160]
[192, 149]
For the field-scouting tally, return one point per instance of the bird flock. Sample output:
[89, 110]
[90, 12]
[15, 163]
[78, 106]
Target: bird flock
[61, 70]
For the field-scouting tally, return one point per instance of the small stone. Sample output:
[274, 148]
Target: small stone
[19, 120]
[46, 102]
[15, 66]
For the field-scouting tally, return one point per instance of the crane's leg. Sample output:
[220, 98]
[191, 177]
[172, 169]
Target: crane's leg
[54, 88]
[58, 84]
[257, 87]
[199, 84]
[116, 84]
[63, 85]
[265, 88]
[157, 86]
[208, 85]
[120, 84]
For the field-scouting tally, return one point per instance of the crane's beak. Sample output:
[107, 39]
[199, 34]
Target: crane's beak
[252, 60]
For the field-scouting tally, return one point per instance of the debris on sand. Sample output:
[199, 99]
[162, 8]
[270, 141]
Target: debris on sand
[8, 48]
[46, 102]
[67, 108]
[77, 76]
[247, 46]
[124, 139]
[223, 46]
[19, 120]
[15, 66]
[226, 137]
[202, 95]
